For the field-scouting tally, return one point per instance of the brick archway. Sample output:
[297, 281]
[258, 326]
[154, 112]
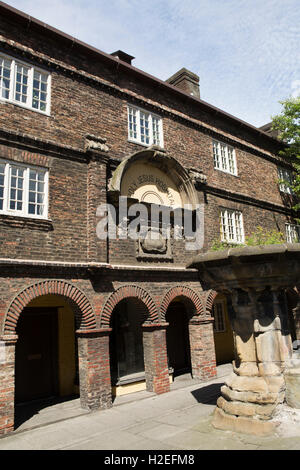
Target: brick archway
[84, 314]
[187, 293]
[126, 292]
[209, 301]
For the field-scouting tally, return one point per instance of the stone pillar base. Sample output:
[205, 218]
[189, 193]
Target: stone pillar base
[242, 424]
[248, 403]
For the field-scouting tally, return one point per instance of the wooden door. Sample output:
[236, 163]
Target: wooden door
[36, 354]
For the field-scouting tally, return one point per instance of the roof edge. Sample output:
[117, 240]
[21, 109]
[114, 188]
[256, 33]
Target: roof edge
[9, 10]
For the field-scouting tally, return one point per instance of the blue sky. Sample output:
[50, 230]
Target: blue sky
[246, 52]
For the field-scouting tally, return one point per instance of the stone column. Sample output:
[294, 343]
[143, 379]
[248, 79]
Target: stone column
[203, 356]
[262, 345]
[94, 369]
[7, 382]
[155, 357]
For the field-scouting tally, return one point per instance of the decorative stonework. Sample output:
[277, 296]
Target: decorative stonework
[83, 311]
[197, 176]
[254, 279]
[126, 292]
[181, 291]
[157, 247]
[96, 143]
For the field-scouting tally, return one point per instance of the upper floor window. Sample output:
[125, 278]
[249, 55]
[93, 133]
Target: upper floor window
[285, 180]
[231, 224]
[144, 127]
[23, 190]
[292, 232]
[224, 158]
[24, 84]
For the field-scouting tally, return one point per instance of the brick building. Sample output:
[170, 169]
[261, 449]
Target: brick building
[79, 129]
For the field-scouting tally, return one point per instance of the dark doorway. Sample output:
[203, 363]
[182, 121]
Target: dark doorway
[126, 344]
[36, 355]
[178, 344]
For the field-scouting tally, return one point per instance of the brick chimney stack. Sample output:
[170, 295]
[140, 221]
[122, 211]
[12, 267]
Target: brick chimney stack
[187, 81]
[121, 55]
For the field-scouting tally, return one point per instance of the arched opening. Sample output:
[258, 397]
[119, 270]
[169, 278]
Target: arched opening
[126, 347]
[46, 364]
[178, 343]
[223, 335]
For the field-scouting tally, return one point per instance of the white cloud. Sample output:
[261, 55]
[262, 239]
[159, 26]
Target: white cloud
[246, 52]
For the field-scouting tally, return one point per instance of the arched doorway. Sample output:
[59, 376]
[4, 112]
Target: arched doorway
[178, 344]
[46, 352]
[46, 362]
[126, 347]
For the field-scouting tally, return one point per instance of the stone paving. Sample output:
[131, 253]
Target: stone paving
[179, 420]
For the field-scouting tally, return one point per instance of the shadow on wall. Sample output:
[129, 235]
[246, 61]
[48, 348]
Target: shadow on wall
[208, 395]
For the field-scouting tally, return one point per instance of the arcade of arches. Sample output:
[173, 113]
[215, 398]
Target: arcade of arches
[62, 341]
[49, 357]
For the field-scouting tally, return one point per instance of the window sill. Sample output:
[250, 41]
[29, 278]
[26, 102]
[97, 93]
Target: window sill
[227, 172]
[21, 221]
[142, 144]
[24, 106]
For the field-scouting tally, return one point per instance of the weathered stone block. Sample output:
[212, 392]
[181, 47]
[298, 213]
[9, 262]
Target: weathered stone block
[222, 420]
[292, 381]
[270, 368]
[260, 398]
[247, 384]
[236, 407]
[245, 348]
[246, 368]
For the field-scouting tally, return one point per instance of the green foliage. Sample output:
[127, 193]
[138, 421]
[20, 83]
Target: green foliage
[219, 245]
[265, 237]
[258, 237]
[287, 123]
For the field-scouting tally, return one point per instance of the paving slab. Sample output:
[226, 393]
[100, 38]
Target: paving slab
[180, 419]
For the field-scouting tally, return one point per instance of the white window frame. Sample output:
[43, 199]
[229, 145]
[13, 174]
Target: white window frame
[287, 176]
[138, 138]
[25, 201]
[223, 161]
[219, 317]
[292, 233]
[12, 87]
[229, 217]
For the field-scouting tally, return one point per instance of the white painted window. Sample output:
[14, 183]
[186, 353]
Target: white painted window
[231, 225]
[286, 180]
[23, 190]
[24, 84]
[144, 127]
[224, 158]
[218, 313]
[292, 232]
